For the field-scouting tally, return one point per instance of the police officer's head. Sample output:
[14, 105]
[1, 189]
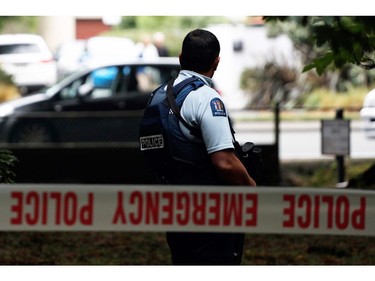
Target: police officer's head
[200, 52]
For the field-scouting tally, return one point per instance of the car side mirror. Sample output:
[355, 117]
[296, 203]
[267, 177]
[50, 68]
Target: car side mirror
[85, 90]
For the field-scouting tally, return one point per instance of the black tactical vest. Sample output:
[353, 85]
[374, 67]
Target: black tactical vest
[176, 159]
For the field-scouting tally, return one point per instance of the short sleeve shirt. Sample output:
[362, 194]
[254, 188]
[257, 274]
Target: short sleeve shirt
[204, 109]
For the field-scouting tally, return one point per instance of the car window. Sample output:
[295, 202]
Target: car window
[134, 79]
[71, 91]
[144, 79]
[104, 81]
[18, 49]
[148, 78]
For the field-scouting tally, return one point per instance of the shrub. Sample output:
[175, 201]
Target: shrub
[7, 163]
[6, 79]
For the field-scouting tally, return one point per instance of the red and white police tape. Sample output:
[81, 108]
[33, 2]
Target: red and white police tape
[55, 207]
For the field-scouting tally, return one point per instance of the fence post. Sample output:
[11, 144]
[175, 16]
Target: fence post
[277, 124]
[277, 140]
[340, 158]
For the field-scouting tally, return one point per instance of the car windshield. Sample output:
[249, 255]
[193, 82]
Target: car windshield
[18, 49]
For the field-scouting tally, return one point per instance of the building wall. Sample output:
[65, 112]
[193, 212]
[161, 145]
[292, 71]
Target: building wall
[86, 28]
[57, 30]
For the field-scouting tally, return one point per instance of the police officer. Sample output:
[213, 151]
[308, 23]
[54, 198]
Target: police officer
[207, 158]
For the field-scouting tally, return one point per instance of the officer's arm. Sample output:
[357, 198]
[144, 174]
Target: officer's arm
[230, 168]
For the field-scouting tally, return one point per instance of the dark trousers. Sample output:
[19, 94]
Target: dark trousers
[205, 248]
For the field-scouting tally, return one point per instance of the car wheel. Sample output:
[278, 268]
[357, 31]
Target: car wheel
[32, 132]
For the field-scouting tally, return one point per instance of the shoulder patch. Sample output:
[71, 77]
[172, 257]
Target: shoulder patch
[217, 107]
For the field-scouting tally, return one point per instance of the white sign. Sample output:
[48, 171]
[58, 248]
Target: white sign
[336, 137]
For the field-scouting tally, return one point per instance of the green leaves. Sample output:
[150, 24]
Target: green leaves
[337, 40]
[6, 78]
[320, 64]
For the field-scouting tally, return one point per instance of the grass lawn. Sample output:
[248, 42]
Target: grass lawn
[134, 248]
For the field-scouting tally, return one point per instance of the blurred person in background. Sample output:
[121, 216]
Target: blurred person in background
[146, 48]
[159, 41]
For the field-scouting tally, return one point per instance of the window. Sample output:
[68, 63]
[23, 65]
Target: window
[104, 81]
[148, 78]
[71, 91]
[18, 49]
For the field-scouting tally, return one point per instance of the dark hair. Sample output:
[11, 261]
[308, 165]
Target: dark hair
[200, 48]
